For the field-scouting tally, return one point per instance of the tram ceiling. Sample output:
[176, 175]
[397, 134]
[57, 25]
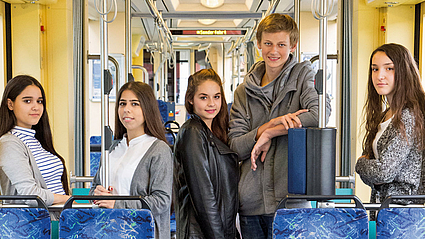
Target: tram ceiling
[193, 14]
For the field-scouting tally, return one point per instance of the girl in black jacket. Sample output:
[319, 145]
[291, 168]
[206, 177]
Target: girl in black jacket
[205, 169]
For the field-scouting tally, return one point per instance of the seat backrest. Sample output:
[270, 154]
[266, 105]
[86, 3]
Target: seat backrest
[400, 223]
[320, 223]
[24, 223]
[106, 223]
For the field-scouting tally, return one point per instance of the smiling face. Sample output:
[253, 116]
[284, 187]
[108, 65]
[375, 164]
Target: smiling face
[131, 114]
[207, 101]
[27, 107]
[383, 74]
[275, 48]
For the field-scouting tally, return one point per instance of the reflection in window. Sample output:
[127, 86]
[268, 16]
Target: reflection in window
[182, 73]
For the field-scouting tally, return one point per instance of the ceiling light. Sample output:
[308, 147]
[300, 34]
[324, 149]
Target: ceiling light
[212, 3]
[206, 21]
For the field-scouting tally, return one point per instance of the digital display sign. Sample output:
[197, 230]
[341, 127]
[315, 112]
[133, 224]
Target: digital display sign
[208, 32]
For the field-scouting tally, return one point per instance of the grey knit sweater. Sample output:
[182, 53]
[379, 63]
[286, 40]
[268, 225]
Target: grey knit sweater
[152, 180]
[397, 170]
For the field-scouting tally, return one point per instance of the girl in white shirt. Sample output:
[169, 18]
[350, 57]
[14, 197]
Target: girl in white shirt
[141, 163]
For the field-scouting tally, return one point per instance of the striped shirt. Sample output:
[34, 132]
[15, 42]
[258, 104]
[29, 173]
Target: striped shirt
[50, 166]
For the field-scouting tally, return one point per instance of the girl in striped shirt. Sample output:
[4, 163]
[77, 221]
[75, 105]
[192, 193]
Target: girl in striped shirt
[29, 164]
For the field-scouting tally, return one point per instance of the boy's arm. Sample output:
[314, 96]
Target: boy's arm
[241, 137]
[275, 127]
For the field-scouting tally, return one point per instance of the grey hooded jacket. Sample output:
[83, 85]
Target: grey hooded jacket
[260, 191]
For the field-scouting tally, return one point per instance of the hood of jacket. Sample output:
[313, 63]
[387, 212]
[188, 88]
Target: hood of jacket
[286, 80]
[256, 73]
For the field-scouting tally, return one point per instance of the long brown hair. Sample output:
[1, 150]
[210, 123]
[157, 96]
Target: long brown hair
[408, 93]
[220, 123]
[42, 129]
[149, 105]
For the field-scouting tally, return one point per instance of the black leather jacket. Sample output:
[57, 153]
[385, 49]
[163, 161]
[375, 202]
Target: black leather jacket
[206, 176]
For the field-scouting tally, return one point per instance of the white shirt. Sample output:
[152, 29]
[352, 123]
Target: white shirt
[381, 128]
[123, 161]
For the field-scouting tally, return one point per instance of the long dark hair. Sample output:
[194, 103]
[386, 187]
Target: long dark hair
[408, 93]
[42, 129]
[149, 105]
[220, 123]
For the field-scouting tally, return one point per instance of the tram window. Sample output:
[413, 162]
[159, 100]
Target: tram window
[201, 60]
[148, 65]
[95, 71]
[182, 73]
[331, 80]
[170, 81]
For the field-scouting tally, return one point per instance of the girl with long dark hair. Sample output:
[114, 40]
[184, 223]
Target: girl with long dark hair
[29, 164]
[395, 107]
[141, 163]
[206, 170]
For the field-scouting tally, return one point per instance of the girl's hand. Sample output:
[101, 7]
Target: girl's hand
[101, 191]
[105, 203]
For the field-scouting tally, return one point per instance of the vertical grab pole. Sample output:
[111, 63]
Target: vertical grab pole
[297, 20]
[128, 71]
[106, 86]
[321, 142]
[238, 65]
[322, 63]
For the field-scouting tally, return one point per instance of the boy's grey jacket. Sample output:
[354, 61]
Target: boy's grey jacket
[260, 191]
[152, 180]
[397, 171]
[19, 173]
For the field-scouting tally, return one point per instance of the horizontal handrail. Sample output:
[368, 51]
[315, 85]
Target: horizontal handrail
[40, 202]
[69, 202]
[386, 202]
[85, 179]
[74, 179]
[345, 179]
[282, 203]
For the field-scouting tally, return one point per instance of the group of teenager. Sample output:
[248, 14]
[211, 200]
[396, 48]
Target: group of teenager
[221, 166]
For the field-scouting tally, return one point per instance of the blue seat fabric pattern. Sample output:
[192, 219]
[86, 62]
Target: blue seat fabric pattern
[106, 223]
[95, 156]
[320, 223]
[401, 223]
[24, 223]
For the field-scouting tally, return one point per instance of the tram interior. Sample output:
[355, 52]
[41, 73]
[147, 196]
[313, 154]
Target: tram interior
[171, 39]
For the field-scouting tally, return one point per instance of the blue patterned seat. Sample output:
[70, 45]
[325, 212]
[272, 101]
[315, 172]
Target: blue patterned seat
[22, 222]
[400, 222]
[320, 222]
[106, 223]
[95, 156]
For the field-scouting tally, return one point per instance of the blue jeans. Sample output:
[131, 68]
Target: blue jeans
[256, 227]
